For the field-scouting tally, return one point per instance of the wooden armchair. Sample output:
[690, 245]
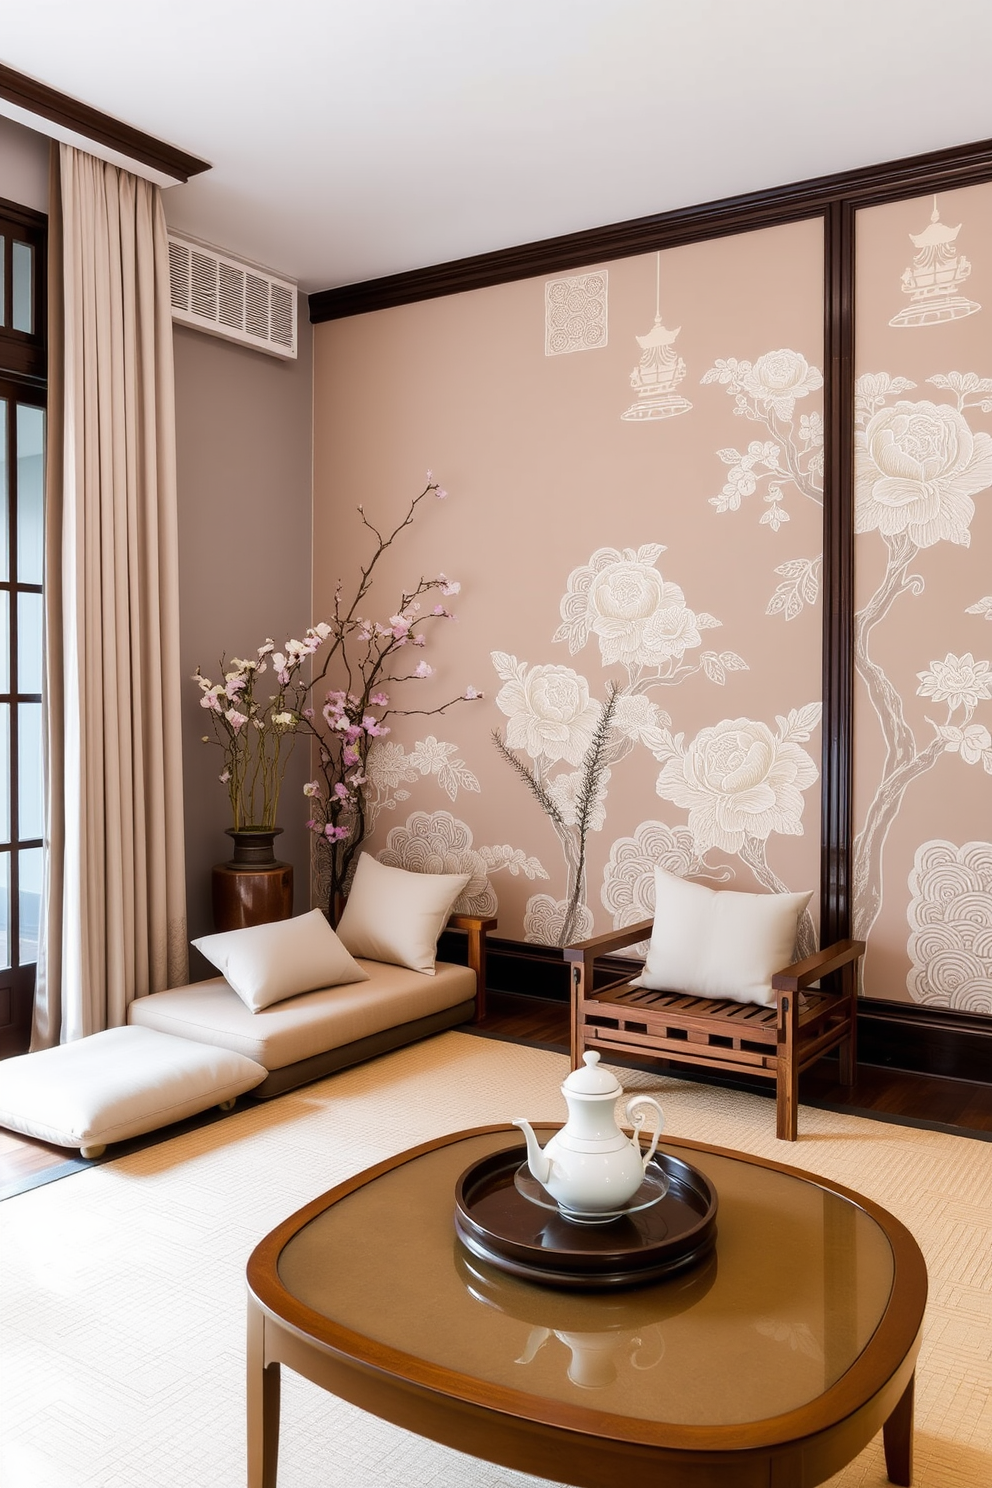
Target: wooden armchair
[776, 1043]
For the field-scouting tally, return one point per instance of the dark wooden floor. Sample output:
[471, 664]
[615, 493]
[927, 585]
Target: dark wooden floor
[895, 1095]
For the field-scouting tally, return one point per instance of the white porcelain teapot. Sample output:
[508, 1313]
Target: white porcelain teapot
[590, 1168]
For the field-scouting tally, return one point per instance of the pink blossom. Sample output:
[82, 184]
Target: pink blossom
[353, 732]
[307, 712]
[472, 692]
[313, 826]
[283, 678]
[209, 700]
[419, 641]
[373, 729]
[235, 719]
[336, 834]
[341, 791]
[236, 685]
[440, 610]
[379, 699]
[441, 495]
[350, 756]
[357, 778]
[430, 476]
[269, 645]
[423, 670]
[312, 788]
[225, 777]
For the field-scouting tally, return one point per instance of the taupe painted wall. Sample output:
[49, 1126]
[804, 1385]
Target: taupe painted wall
[23, 166]
[244, 434]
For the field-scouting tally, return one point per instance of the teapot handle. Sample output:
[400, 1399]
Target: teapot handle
[637, 1121]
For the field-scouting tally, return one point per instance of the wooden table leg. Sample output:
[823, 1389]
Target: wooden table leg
[263, 1405]
[897, 1436]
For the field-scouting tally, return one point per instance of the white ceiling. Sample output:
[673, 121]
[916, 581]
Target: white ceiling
[355, 138]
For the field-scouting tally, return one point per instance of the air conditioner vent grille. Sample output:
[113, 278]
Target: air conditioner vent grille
[240, 302]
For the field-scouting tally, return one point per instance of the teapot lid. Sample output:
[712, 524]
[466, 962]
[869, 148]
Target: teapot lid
[592, 1080]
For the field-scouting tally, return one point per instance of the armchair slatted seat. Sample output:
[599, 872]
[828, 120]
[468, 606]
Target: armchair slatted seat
[776, 1043]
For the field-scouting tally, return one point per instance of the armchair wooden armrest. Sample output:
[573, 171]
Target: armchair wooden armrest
[585, 953]
[803, 973]
[476, 928]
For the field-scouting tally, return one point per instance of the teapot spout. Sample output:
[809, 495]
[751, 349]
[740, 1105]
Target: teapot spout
[539, 1164]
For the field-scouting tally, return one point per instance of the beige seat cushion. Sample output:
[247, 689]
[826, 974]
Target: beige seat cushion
[117, 1084]
[311, 1023]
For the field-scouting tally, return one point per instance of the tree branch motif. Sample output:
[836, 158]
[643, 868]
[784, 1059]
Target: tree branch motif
[918, 466]
[765, 392]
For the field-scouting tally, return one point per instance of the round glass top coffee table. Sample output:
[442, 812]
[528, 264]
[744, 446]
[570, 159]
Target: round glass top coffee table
[771, 1363]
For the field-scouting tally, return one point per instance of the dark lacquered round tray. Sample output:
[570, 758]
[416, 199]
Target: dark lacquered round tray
[496, 1223]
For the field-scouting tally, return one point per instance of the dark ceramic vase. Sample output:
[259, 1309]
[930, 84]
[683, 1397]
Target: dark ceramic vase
[252, 888]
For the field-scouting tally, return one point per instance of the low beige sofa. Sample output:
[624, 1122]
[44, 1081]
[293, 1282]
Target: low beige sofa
[315, 1033]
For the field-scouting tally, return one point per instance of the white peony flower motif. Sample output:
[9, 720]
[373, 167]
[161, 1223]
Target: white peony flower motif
[637, 717]
[437, 842]
[778, 378]
[564, 790]
[918, 466]
[958, 681]
[738, 780]
[550, 711]
[544, 920]
[387, 766]
[620, 597]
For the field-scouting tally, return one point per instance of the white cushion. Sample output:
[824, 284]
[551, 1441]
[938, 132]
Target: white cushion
[717, 942]
[117, 1084]
[268, 963]
[395, 916]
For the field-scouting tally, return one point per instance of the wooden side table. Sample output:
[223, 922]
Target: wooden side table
[252, 888]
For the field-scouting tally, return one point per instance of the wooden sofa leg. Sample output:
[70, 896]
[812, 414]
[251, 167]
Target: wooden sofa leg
[849, 1048]
[787, 1075]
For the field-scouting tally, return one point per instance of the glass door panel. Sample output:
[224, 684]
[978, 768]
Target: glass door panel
[30, 493]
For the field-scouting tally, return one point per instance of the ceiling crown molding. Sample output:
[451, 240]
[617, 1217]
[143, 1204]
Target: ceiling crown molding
[60, 117]
[917, 175]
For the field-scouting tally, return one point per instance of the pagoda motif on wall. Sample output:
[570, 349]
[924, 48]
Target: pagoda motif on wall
[934, 277]
[659, 371]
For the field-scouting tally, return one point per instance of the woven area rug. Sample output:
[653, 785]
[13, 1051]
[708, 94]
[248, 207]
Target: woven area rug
[123, 1286]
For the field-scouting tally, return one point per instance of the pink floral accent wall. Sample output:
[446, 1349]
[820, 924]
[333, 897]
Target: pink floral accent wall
[923, 709]
[634, 460]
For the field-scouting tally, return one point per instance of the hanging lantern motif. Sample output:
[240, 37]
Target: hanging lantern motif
[933, 278]
[659, 371]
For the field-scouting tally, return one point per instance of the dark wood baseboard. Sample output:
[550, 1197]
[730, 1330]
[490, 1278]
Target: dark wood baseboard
[926, 1040]
[892, 1035]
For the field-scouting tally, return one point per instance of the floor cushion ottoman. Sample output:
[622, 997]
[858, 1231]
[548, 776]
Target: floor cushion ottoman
[117, 1084]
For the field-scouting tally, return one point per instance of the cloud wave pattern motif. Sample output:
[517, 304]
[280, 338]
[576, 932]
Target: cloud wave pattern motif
[545, 917]
[917, 467]
[437, 842]
[950, 921]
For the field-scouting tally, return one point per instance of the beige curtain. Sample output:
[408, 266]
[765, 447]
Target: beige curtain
[114, 913]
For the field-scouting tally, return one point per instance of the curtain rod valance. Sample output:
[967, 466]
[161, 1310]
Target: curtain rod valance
[34, 104]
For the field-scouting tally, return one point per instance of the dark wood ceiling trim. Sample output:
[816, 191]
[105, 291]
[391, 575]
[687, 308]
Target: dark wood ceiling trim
[37, 98]
[914, 176]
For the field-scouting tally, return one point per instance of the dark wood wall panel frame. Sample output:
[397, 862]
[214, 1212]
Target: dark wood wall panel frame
[836, 200]
[58, 108]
